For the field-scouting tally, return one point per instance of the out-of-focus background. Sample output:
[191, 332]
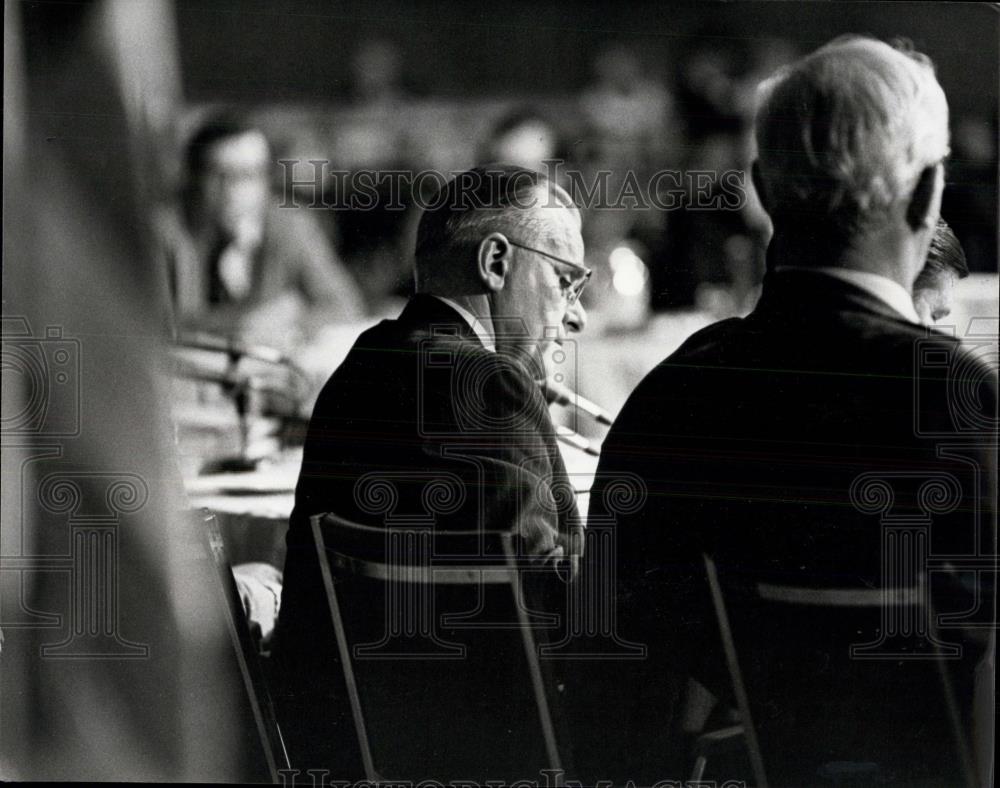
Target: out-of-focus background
[632, 86]
[143, 196]
[628, 90]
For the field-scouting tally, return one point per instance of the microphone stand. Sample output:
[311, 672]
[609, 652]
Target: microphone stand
[238, 387]
[557, 393]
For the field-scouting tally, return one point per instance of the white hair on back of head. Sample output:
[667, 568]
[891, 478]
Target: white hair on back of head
[844, 133]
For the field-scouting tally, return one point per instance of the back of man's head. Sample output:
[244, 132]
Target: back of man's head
[845, 134]
[488, 198]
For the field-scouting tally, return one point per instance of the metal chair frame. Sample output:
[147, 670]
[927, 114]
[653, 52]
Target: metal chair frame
[272, 743]
[446, 571]
[825, 598]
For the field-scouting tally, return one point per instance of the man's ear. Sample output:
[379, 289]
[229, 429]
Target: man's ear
[493, 261]
[924, 199]
[758, 184]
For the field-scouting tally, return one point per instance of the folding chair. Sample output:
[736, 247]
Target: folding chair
[818, 707]
[438, 652]
[272, 745]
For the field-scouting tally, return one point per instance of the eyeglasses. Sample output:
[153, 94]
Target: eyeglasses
[572, 291]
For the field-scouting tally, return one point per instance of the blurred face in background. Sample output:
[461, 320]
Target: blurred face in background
[527, 145]
[618, 69]
[234, 186]
[376, 69]
[932, 296]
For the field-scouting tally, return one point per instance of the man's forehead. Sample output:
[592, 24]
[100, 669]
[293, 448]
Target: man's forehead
[558, 223]
[241, 150]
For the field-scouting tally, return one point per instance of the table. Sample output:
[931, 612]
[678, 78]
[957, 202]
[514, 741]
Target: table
[253, 508]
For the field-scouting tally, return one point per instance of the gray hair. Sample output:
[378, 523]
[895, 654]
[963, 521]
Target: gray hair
[491, 198]
[844, 133]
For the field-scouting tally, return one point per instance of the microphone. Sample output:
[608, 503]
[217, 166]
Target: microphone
[577, 441]
[565, 396]
[201, 340]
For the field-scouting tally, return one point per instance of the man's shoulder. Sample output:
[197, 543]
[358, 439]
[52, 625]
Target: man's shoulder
[920, 352]
[428, 352]
[712, 345]
[711, 339]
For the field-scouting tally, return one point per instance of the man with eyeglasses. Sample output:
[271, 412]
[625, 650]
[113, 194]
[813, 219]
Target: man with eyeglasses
[448, 392]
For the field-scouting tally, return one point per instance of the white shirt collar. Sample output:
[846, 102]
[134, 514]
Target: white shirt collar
[884, 289]
[474, 323]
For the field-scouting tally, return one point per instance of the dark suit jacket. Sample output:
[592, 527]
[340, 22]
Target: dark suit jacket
[457, 432]
[749, 438]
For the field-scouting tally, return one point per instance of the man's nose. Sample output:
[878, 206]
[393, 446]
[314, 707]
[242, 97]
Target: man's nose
[576, 318]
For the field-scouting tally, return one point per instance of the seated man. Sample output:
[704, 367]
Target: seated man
[449, 390]
[239, 264]
[752, 436]
[934, 286]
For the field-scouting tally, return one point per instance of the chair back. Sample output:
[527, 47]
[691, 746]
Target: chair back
[251, 669]
[436, 641]
[825, 699]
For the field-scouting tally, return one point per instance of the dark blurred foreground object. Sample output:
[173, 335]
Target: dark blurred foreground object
[116, 663]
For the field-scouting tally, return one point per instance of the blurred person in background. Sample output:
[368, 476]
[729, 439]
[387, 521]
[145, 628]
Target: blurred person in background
[762, 59]
[628, 110]
[375, 138]
[714, 259]
[707, 84]
[935, 284]
[522, 136]
[377, 74]
[237, 263]
[629, 133]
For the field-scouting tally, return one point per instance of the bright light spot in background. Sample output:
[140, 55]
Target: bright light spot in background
[629, 273]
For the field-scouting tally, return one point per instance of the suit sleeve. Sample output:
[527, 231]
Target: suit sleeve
[504, 429]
